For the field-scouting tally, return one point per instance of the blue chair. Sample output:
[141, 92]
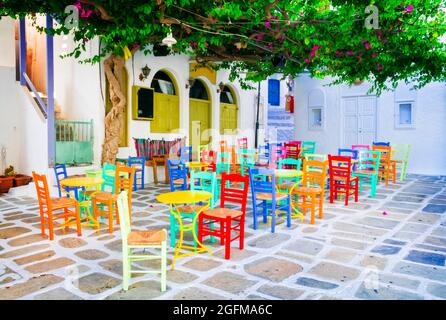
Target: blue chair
[380, 143]
[263, 189]
[61, 173]
[348, 153]
[140, 164]
[186, 153]
[263, 154]
[177, 175]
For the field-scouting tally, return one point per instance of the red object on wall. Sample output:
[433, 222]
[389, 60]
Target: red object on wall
[291, 104]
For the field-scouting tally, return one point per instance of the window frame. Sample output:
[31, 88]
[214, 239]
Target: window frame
[397, 123]
[311, 126]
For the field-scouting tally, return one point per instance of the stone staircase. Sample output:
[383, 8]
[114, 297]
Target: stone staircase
[282, 121]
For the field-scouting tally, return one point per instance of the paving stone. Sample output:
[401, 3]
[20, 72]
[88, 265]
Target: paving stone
[340, 255]
[107, 237]
[353, 236]
[20, 216]
[440, 232]
[13, 232]
[178, 276]
[35, 257]
[281, 292]
[30, 286]
[272, 269]
[230, 282]
[429, 272]
[384, 222]
[236, 254]
[114, 266]
[385, 293]
[394, 242]
[269, 240]
[22, 251]
[305, 246]
[4, 225]
[201, 264]
[309, 230]
[375, 261]
[414, 227]
[363, 230]
[49, 265]
[143, 290]
[426, 257]
[294, 256]
[314, 283]
[435, 241]
[435, 208]
[392, 279]
[386, 250]
[437, 289]
[401, 205]
[57, 294]
[426, 218]
[195, 293]
[408, 198]
[91, 254]
[333, 271]
[406, 235]
[422, 190]
[115, 245]
[349, 244]
[95, 283]
[7, 275]
[255, 297]
[72, 242]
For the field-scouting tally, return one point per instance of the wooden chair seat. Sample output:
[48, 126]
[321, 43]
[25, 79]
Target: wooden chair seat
[222, 213]
[104, 196]
[59, 203]
[146, 237]
[344, 179]
[307, 190]
[366, 172]
[285, 186]
[269, 196]
[189, 209]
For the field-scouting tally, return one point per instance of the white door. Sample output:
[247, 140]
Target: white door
[359, 120]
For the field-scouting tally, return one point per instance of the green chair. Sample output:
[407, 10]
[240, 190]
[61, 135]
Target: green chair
[317, 157]
[400, 154]
[140, 240]
[308, 147]
[247, 159]
[223, 162]
[108, 175]
[368, 170]
[285, 184]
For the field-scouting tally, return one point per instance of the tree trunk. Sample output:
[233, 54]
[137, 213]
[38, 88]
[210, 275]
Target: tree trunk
[113, 67]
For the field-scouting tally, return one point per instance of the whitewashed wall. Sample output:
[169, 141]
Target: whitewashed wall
[427, 139]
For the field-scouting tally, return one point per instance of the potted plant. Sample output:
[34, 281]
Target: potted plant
[18, 179]
[7, 180]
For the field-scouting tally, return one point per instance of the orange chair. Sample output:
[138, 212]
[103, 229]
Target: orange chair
[387, 166]
[49, 207]
[313, 187]
[105, 203]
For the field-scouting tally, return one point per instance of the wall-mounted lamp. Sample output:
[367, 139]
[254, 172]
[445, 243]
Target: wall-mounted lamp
[190, 83]
[145, 71]
[221, 86]
[169, 40]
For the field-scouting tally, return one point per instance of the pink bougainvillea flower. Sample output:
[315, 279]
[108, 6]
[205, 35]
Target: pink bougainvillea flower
[312, 53]
[78, 5]
[384, 213]
[307, 60]
[373, 55]
[367, 45]
[260, 37]
[268, 24]
[409, 9]
[338, 52]
[380, 67]
[135, 46]
[282, 38]
[350, 53]
[86, 14]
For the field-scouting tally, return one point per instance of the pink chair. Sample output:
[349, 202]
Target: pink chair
[360, 147]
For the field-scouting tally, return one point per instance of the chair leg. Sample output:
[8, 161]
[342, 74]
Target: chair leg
[331, 193]
[78, 220]
[172, 230]
[222, 233]
[228, 238]
[42, 224]
[163, 266]
[356, 192]
[321, 205]
[288, 216]
[110, 217]
[242, 233]
[273, 217]
[125, 269]
[254, 215]
[50, 225]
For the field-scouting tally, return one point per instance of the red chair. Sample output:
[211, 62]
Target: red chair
[230, 220]
[292, 149]
[341, 180]
[209, 156]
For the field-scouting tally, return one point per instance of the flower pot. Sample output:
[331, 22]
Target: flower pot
[21, 180]
[6, 183]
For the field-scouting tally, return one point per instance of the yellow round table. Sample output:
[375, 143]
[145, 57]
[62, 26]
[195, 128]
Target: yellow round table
[176, 198]
[197, 165]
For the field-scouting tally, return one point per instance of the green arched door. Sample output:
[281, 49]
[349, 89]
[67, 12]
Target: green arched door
[200, 115]
[166, 104]
[228, 111]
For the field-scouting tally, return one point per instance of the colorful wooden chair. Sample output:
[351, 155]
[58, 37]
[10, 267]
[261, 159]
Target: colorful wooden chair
[108, 175]
[264, 195]
[140, 164]
[139, 240]
[223, 162]
[209, 156]
[387, 166]
[242, 143]
[368, 170]
[277, 152]
[311, 193]
[263, 156]
[308, 147]
[348, 153]
[186, 154]
[341, 180]
[61, 173]
[359, 147]
[285, 184]
[105, 203]
[52, 209]
[293, 149]
[400, 154]
[177, 175]
[246, 160]
[230, 220]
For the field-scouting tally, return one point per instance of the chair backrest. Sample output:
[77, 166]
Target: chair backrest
[43, 194]
[348, 153]
[209, 156]
[316, 156]
[276, 152]
[308, 147]
[223, 146]
[242, 143]
[186, 153]
[340, 167]
[246, 156]
[400, 151]
[230, 191]
[292, 149]
[369, 160]
[61, 173]
[386, 153]
[139, 162]
[263, 156]
[124, 179]
[381, 143]
[108, 175]
[290, 163]
[224, 162]
[177, 170]
[262, 180]
[315, 173]
[206, 181]
[360, 147]
[124, 216]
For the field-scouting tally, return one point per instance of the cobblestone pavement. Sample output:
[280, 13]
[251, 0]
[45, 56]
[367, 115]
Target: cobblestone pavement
[389, 247]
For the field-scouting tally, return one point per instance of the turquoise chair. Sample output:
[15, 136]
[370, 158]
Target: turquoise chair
[368, 170]
[247, 159]
[308, 147]
[289, 163]
[108, 175]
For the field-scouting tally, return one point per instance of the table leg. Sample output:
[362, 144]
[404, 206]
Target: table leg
[155, 171]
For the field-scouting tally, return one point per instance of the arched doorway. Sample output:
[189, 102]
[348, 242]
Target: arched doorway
[166, 103]
[228, 111]
[200, 115]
